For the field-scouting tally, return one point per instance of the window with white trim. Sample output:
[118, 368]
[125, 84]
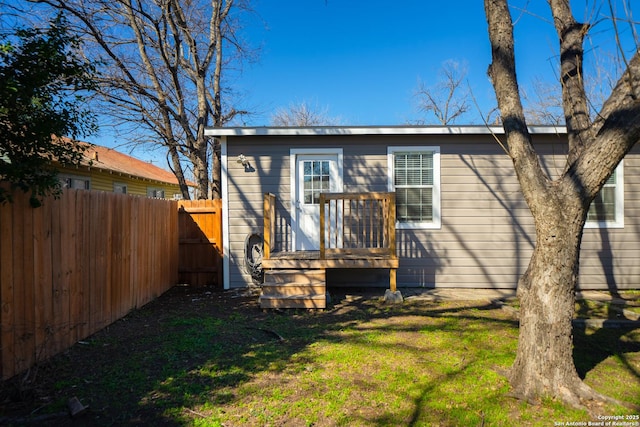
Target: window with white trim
[607, 209]
[155, 193]
[120, 188]
[414, 175]
[75, 182]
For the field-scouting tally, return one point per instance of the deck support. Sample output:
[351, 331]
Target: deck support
[393, 297]
[357, 230]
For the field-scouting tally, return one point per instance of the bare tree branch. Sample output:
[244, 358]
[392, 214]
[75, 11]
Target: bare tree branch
[447, 100]
[163, 71]
[303, 114]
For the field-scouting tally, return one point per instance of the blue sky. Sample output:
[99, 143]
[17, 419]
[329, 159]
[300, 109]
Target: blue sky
[362, 60]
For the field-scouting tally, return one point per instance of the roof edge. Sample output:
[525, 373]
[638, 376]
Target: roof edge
[372, 130]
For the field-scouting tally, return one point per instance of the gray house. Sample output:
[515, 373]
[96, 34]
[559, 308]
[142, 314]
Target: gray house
[414, 206]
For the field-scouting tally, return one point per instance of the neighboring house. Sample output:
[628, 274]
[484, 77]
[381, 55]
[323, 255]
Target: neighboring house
[461, 221]
[105, 169]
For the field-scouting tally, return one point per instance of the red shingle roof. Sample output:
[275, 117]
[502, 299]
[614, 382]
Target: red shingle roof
[107, 158]
[97, 156]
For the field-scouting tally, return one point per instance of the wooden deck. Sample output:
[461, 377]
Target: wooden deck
[312, 259]
[357, 230]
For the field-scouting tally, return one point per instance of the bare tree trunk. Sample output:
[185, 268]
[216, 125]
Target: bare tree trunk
[176, 168]
[544, 360]
[201, 171]
[216, 182]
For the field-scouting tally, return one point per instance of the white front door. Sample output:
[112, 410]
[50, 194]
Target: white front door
[315, 174]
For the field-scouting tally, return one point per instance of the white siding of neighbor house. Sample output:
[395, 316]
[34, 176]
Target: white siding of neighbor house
[487, 232]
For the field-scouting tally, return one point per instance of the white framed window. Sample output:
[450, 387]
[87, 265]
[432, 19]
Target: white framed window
[414, 175]
[75, 182]
[607, 209]
[119, 187]
[155, 193]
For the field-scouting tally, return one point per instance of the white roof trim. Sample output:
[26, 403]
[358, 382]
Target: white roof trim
[372, 130]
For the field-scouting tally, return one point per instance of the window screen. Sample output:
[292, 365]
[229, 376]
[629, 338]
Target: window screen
[413, 181]
[603, 207]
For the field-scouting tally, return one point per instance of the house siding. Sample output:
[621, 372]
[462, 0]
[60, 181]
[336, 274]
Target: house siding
[609, 256]
[102, 180]
[266, 173]
[487, 233]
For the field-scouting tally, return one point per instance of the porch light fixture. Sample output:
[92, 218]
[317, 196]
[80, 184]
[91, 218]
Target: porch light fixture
[243, 160]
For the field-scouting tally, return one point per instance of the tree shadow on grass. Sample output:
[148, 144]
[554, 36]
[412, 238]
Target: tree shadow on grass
[259, 349]
[466, 324]
[196, 349]
[591, 349]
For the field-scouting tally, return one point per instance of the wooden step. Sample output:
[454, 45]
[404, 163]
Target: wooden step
[294, 289]
[298, 301]
[294, 276]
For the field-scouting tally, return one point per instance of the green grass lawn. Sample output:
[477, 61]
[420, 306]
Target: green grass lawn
[418, 364]
[608, 310]
[359, 363]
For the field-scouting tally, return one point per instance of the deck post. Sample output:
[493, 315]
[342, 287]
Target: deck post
[392, 240]
[391, 223]
[269, 207]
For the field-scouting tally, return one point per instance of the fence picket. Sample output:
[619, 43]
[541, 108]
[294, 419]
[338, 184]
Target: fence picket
[42, 274]
[7, 307]
[85, 228]
[18, 288]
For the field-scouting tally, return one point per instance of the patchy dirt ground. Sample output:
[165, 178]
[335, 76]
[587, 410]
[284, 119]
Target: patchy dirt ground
[112, 372]
[39, 397]
[136, 370]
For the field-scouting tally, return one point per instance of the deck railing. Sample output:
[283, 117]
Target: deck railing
[357, 224]
[350, 224]
[357, 230]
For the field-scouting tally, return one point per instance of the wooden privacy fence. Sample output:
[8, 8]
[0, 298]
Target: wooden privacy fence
[76, 265]
[200, 225]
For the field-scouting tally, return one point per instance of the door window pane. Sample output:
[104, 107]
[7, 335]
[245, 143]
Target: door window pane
[316, 179]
